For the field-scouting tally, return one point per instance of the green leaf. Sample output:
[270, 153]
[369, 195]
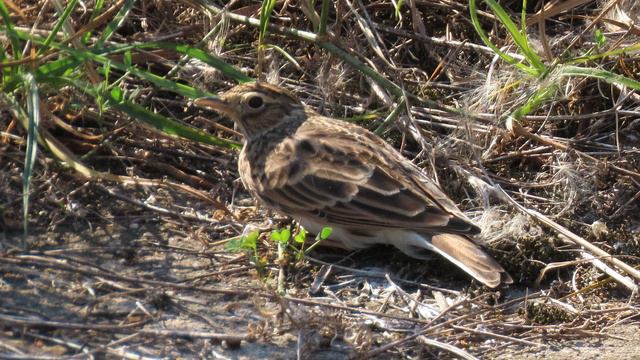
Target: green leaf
[325, 233]
[285, 234]
[250, 240]
[235, 244]
[281, 236]
[245, 242]
[301, 236]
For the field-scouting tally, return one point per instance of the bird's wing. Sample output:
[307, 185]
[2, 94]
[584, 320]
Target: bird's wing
[355, 179]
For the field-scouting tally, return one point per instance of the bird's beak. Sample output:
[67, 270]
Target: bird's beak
[215, 103]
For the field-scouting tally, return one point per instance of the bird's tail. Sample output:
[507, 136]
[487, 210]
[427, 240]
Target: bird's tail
[470, 257]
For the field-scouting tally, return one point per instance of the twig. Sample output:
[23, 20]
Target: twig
[382, 275]
[624, 280]
[450, 348]
[337, 51]
[426, 329]
[43, 261]
[352, 309]
[196, 334]
[21, 321]
[498, 336]
[37, 323]
[151, 207]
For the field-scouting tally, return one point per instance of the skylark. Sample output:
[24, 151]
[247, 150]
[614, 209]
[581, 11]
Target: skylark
[327, 172]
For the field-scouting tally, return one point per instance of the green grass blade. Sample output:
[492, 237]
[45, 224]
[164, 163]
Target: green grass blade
[3, 59]
[397, 8]
[523, 18]
[391, 118]
[94, 14]
[208, 59]
[288, 56]
[10, 31]
[265, 15]
[164, 124]
[182, 89]
[55, 68]
[33, 112]
[473, 12]
[58, 25]
[345, 56]
[117, 21]
[195, 53]
[546, 93]
[627, 50]
[608, 76]
[116, 98]
[370, 72]
[519, 38]
[324, 16]
[178, 88]
[535, 101]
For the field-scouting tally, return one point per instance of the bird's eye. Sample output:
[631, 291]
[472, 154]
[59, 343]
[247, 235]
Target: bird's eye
[255, 102]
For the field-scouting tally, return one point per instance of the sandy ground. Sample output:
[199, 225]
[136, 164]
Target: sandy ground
[623, 343]
[57, 281]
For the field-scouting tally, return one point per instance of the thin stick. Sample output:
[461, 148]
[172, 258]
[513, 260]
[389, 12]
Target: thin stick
[450, 348]
[498, 336]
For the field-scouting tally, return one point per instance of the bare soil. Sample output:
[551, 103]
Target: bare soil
[115, 269]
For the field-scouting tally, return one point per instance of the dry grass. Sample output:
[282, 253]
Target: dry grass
[125, 270]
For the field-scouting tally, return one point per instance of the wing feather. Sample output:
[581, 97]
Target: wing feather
[332, 175]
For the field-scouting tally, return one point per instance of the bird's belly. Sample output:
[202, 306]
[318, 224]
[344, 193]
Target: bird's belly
[359, 239]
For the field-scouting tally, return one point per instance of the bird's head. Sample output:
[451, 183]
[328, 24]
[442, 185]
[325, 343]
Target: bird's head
[256, 107]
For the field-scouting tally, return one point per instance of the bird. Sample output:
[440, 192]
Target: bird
[326, 172]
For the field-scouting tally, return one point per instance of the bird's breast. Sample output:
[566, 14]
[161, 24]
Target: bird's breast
[253, 168]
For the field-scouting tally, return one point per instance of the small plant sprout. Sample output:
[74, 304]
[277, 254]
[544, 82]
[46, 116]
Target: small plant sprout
[322, 235]
[600, 38]
[281, 237]
[247, 241]
[301, 236]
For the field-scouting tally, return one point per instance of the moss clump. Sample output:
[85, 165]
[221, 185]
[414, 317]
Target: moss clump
[524, 257]
[545, 314]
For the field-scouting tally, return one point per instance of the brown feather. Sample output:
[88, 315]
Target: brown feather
[471, 258]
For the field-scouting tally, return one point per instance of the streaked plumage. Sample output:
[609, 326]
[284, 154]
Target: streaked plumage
[326, 172]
